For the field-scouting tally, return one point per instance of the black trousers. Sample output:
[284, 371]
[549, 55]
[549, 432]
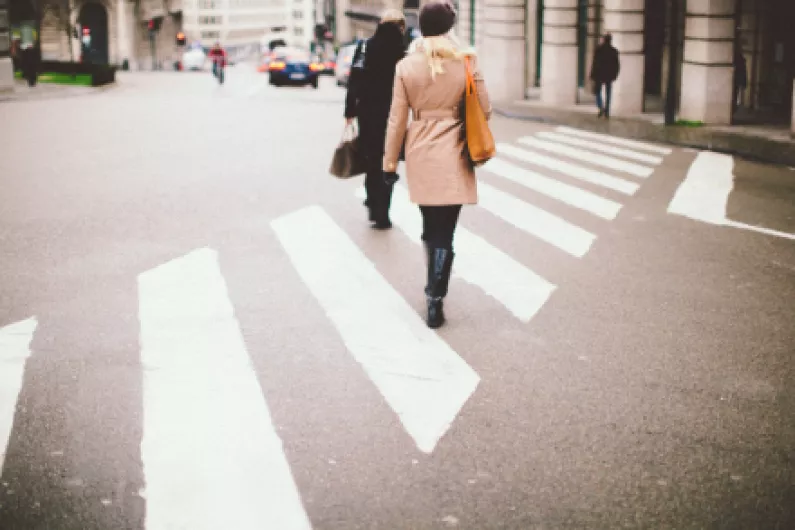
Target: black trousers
[379, 195]
[438, 225]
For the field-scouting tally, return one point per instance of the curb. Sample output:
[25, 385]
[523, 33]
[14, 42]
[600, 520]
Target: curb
[781, 154]
[64, 93]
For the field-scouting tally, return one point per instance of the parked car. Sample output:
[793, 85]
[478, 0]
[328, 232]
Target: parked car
[293, 67]
[194, 59]
[343, 66]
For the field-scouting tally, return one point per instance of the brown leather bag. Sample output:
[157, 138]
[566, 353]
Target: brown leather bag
[480, 141]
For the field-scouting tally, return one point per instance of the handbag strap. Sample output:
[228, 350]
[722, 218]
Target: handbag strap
[470, 80]
[349, 132]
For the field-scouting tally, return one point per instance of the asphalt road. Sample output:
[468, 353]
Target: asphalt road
[198, 328]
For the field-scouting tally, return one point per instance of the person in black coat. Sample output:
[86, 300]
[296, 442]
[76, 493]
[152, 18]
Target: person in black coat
[369, 99]
[604, 71]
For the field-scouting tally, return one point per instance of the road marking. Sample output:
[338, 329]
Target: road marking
[573, 170]
[634, 144]
[588, 156]
[519, 289]
[571, 195]
[537, 222]
[211, 455]
[600, 146]
[424, 381]
[15, 342]
[704, 194]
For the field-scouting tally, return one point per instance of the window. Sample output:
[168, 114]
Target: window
[298, 15]
[298, 32]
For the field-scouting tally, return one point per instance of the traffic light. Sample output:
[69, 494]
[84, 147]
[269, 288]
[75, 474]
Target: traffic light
[151, 24]
[181, 39]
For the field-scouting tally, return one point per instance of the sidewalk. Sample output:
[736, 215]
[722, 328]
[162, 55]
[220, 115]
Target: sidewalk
[22, 92]
[772, 144]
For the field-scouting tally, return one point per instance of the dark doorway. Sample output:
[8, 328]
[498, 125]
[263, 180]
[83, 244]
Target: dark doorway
[94, 17]
[582, 40]
[654, 44]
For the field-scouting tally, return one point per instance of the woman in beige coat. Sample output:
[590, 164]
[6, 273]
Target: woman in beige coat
[430, 85]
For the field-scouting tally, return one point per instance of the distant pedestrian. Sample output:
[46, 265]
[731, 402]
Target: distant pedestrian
[218, 57]
[368, 101]
[604, 72]
[740, 77]
[431, 83]
[30, 63]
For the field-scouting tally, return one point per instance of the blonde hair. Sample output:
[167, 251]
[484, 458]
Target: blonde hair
[393, 15]
[439, 48]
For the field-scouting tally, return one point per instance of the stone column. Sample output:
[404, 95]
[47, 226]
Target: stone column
[504, 48]
[624, 19]
[707, 69]
[559, 53]
[126, 31]
[344, 30]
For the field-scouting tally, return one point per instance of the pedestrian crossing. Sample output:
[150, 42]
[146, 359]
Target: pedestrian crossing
[211, 454]
[201, 392]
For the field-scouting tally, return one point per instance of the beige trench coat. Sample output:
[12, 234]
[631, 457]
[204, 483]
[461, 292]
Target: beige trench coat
[438, 171]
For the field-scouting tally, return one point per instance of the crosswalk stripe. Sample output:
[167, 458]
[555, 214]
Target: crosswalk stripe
[14, 352]
[211, 455]
[634, 144]
[424, 381]
[519, 289]
[590, 157]
[535, 221]
[573, 170]
[600, 146]
[571, 195]
[704, 194]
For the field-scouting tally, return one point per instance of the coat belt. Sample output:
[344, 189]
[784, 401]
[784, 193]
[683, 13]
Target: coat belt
[435, 114]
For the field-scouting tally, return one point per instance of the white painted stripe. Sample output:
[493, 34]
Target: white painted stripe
[704, 194]
[760, 229]
[519, 289]
[535, 221]
[424, 381]
[600, 146]
[588, 156]
[14, 352]
[634, 144]
[211, 455]
[579, 172]
[571, 195]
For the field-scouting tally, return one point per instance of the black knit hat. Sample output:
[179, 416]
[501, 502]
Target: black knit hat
[436, 18]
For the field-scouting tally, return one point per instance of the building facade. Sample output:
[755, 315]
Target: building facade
[238, 24]
[544, 48]
[687, 48]
[116, 31]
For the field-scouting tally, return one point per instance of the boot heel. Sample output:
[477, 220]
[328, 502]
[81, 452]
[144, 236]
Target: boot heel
[435, 313]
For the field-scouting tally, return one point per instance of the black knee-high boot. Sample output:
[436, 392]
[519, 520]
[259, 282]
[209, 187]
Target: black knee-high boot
[440, 264]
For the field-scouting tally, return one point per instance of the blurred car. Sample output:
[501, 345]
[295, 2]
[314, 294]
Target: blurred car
[329, 66]
[293, 67]
[194, 59]
[343, 66]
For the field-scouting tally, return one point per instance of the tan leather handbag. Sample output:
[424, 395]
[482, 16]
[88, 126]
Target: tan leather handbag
[480, 141]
